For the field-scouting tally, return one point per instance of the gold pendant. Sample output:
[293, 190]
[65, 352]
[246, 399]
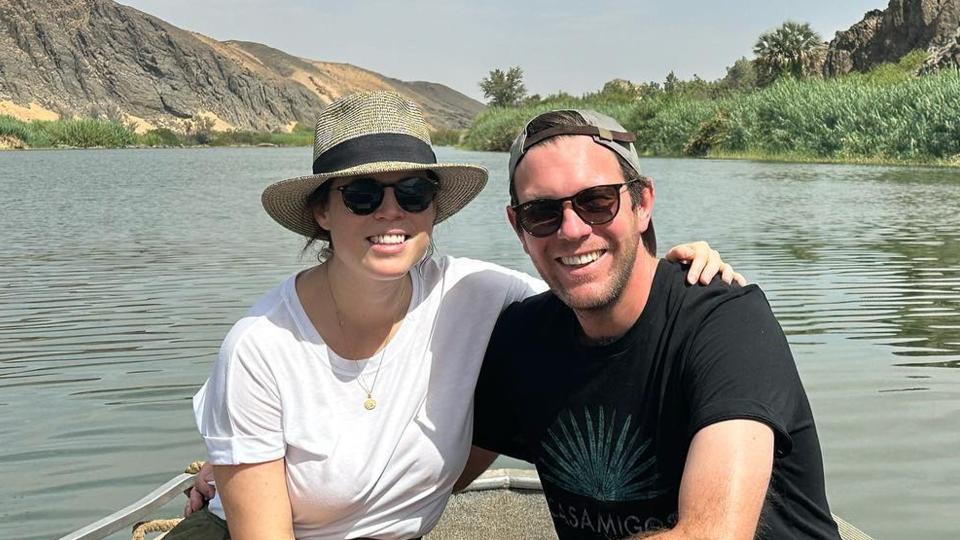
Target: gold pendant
[369, 403]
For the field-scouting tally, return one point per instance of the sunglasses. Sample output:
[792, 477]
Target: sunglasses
[595, 205]
[364, 195]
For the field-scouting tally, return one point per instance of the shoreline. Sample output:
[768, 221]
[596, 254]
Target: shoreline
[145, 147]
[799, 159]
[713, 156]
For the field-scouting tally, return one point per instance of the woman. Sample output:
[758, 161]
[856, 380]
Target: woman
[340, 406]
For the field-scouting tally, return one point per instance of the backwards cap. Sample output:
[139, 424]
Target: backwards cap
[605, 131]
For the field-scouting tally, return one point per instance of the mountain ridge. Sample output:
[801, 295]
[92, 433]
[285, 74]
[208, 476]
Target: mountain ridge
[99, 58]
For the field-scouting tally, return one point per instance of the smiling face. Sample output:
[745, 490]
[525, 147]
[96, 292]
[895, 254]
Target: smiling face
[587, 266]
[382, 245]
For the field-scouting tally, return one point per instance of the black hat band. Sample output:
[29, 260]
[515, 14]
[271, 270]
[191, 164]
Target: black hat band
[374, 148]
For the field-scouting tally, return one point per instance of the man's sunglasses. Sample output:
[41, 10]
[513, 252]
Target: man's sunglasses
[595, 205]
[364, 195]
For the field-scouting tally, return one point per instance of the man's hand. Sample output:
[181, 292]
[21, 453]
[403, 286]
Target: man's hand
[705, 262]
[201, 491]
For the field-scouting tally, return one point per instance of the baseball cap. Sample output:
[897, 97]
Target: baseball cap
[605, 131]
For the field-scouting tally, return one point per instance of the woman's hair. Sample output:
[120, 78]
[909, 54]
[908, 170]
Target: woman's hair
[320, 198]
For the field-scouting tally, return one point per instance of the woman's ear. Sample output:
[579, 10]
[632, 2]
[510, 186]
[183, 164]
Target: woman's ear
[322, 216]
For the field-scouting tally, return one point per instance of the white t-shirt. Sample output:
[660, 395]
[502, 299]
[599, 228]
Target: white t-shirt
[278, 391]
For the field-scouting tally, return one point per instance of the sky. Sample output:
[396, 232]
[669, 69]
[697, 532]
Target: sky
[561, 45]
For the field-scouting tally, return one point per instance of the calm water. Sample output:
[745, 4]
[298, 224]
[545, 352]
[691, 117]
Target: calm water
[120, 272]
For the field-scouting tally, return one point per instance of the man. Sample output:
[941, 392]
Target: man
[648, 406]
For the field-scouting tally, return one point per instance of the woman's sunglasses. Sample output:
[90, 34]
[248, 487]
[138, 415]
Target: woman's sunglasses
[364, 195]
[595, 205]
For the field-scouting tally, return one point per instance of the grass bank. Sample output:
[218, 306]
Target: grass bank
[96, 133]
[77, 132]
[880, 117]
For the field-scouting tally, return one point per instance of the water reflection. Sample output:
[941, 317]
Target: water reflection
[870, 253]
[120, 272]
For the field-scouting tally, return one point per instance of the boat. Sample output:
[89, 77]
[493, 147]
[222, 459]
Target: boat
[502, 503]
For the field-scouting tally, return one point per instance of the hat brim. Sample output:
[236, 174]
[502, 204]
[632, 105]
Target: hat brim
[286, 201]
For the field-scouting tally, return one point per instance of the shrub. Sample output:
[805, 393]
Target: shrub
[301, 127]
[665, 126]
[253, 138]
[446, 137]
[495, 128]
[161, 137]
[711, 134]
[11, 127]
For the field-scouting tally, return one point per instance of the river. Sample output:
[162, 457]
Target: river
[121, 271]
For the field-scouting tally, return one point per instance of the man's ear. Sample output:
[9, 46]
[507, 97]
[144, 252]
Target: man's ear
[512, 218]
[644, 210]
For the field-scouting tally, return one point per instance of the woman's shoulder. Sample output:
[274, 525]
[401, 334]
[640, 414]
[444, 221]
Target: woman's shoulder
[464, 269]
[452, 266]
[269, 317]
[480, 276]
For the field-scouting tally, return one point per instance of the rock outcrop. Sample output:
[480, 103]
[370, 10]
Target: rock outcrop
[944, 57]
[887, 35]
[97, 57]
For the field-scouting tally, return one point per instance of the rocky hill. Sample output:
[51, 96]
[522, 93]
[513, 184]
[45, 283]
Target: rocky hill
[99, 58]
[887, 35]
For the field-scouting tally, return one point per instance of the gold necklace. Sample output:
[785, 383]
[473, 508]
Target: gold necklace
[370, 403]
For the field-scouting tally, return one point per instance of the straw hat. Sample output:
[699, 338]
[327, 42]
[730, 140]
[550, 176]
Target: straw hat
[369, 133]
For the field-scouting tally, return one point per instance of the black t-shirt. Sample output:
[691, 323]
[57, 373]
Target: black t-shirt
[608, 427]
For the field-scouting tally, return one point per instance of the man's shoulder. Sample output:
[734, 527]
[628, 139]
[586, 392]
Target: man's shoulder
[529, 321]
[696, 302]
[535, 309]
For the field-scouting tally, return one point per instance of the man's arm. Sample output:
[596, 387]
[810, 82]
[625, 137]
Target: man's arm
[255, 500]
[724, 482]
[478, 462]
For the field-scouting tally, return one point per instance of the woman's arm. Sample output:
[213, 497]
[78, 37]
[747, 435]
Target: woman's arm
[255, 500]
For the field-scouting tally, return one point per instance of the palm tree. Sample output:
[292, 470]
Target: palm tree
[793, 48]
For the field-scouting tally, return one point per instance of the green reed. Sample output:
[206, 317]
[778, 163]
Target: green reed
[255, 138]
[495, 128]
[851, 117]
[887, 115]
[82, 133]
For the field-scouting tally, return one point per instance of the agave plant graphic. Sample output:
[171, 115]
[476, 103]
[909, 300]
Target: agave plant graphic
[598, 460]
